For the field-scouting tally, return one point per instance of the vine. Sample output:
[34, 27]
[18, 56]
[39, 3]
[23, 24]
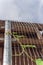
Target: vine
[37, 61]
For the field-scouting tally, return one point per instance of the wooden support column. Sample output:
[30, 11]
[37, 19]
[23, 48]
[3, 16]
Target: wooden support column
[7, 56]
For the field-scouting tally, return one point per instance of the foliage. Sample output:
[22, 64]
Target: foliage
[14, 33]
[31, 46]
[39, 61]
[19, 36]
[16, 36]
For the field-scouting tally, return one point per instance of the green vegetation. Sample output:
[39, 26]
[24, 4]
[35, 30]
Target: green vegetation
[19, 36]
[31, 46]
[38, 61]
[14, 33]
[8, 33]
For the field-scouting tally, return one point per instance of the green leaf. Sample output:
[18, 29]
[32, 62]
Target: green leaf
[39, 61]
[16, 36]
[19, 36]
[8, 33]
[14, 33]
[31, 46]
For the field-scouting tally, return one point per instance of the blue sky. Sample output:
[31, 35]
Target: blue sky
[22, 10]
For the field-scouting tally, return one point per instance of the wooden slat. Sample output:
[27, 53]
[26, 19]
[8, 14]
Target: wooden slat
[0, 53]
[23, 59]
[31, 31]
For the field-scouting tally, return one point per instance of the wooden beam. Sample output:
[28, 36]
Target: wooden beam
[7, 57]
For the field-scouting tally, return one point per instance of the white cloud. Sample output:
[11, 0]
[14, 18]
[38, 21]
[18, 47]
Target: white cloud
[40, 13]
[22, 10]
[8, 10]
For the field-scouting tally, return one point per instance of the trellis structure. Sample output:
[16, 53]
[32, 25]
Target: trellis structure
[31, 37]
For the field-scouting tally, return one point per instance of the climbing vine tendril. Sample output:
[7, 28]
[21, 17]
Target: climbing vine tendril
[14, 34]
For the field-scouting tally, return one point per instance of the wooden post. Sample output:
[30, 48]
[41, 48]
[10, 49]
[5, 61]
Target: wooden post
[7, 56]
